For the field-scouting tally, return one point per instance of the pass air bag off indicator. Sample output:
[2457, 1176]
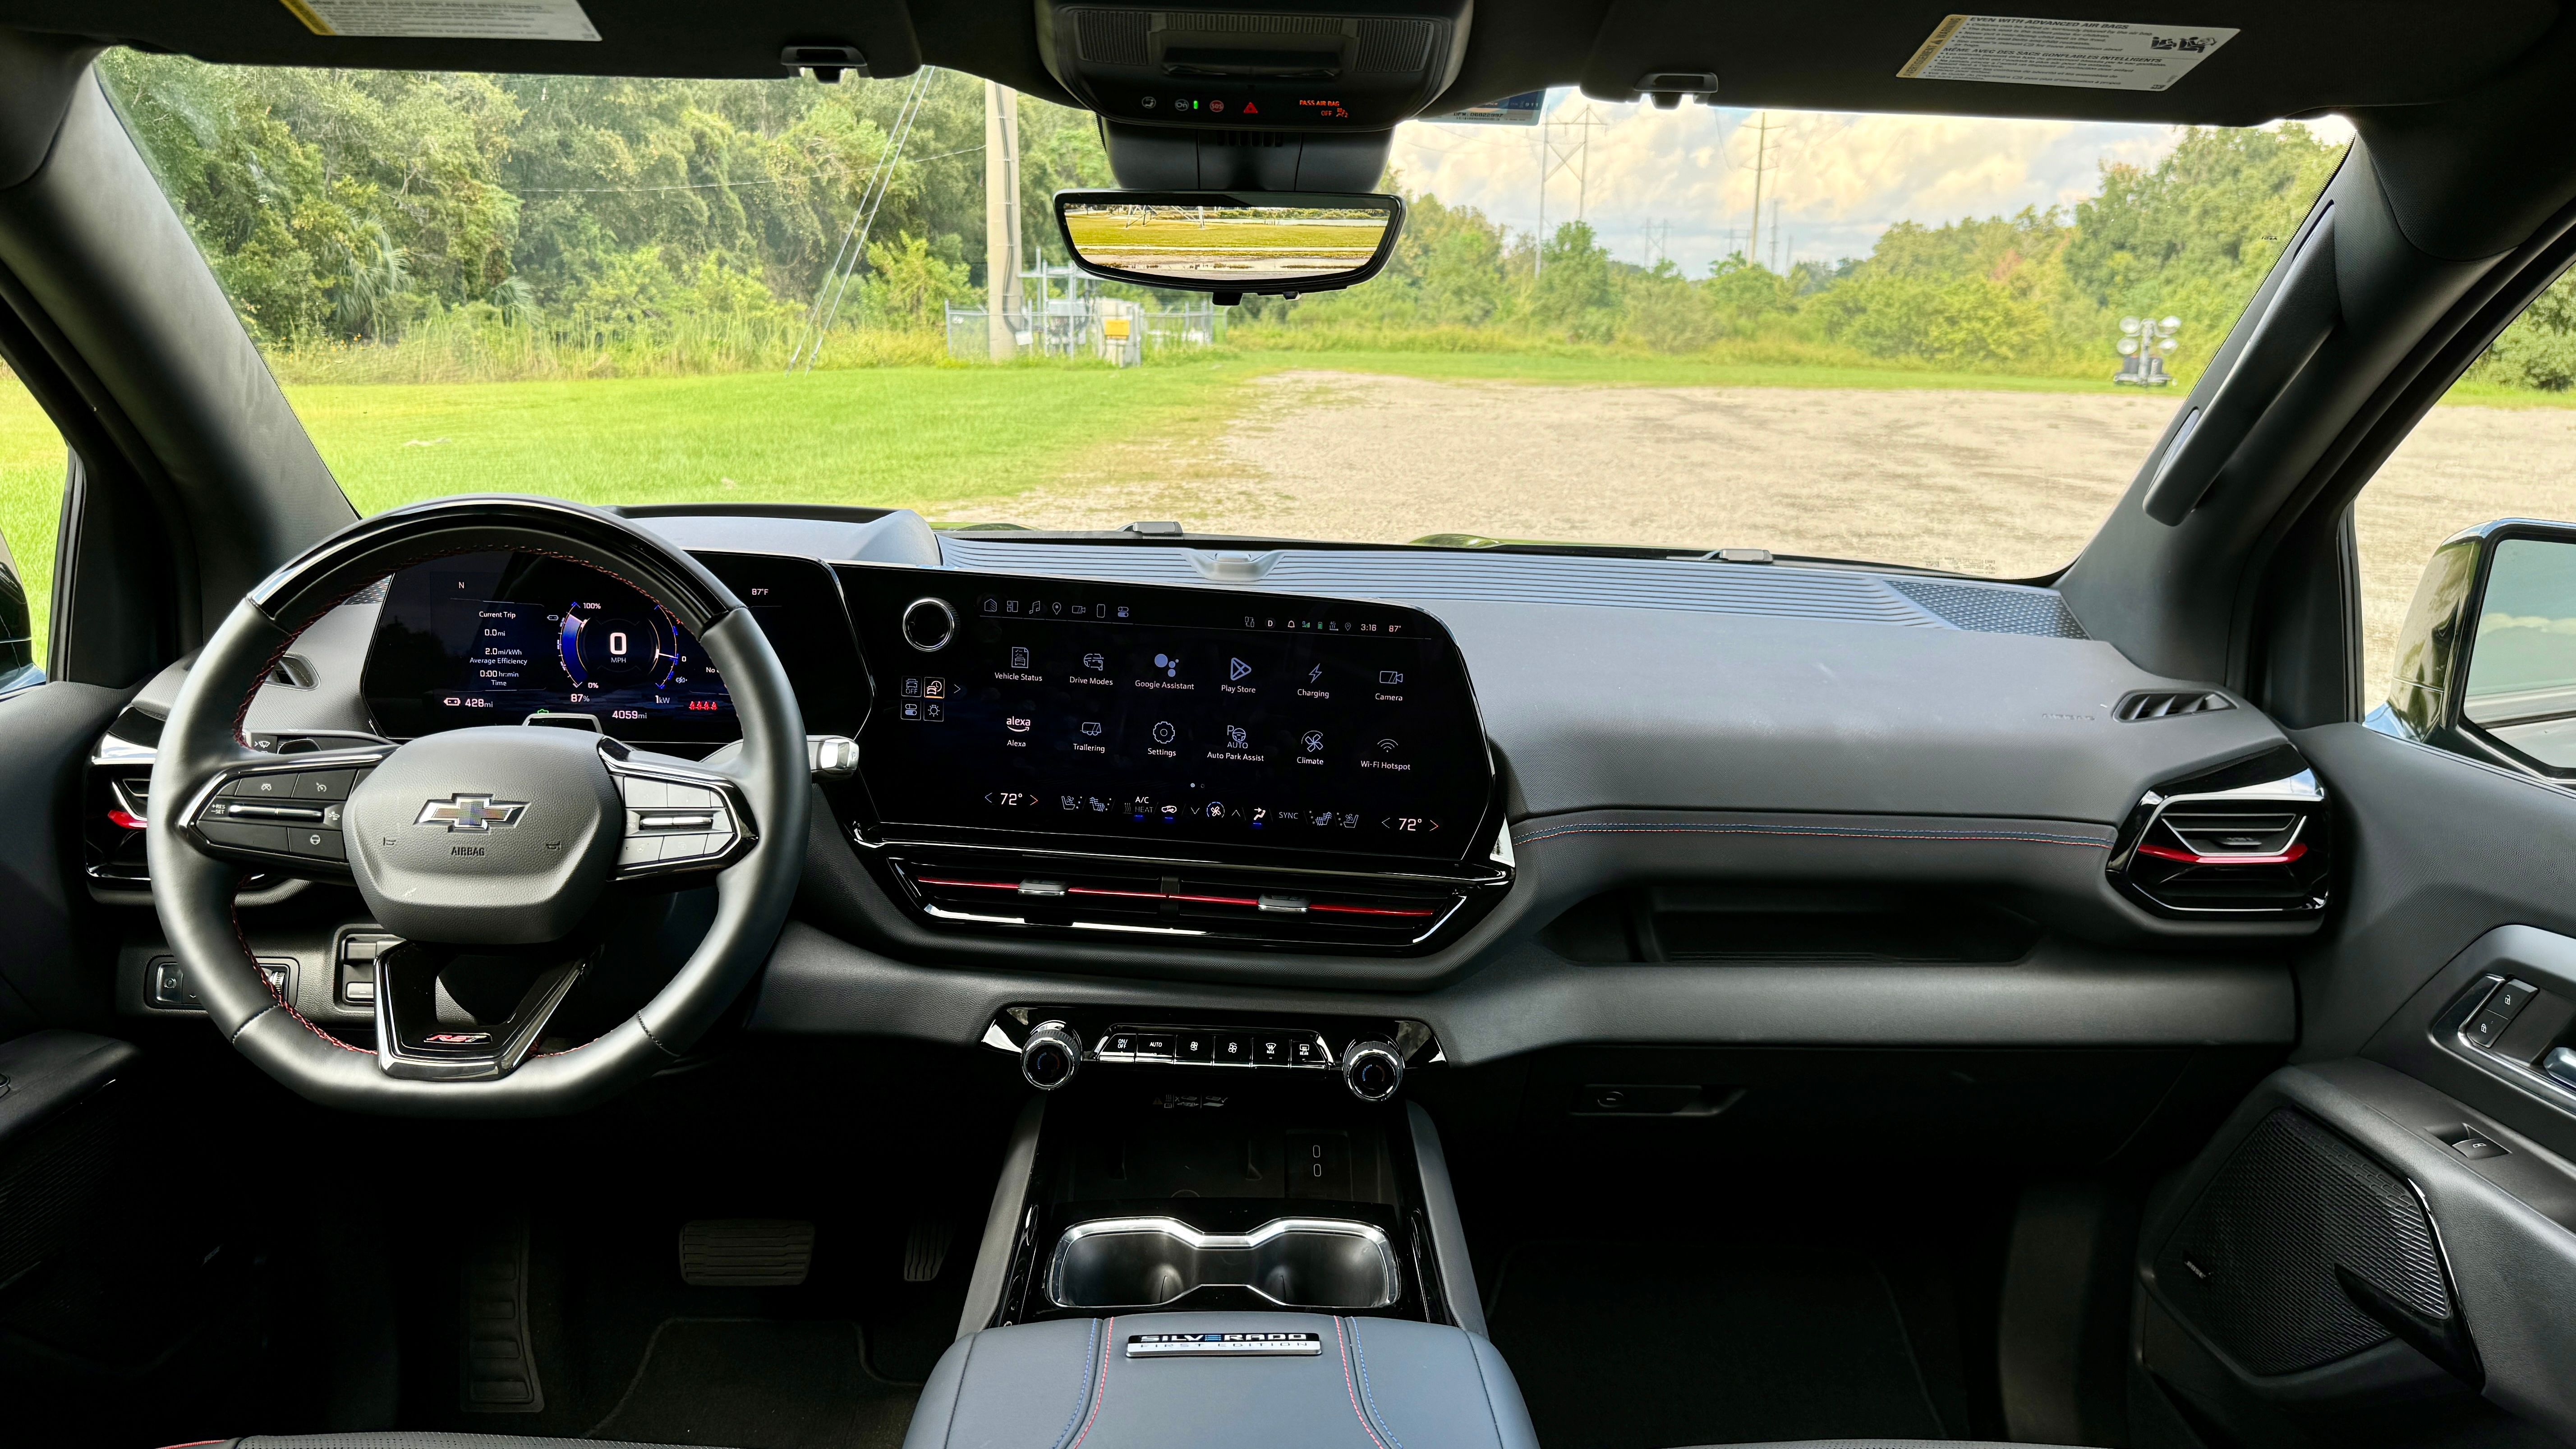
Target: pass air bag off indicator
[1222, 1345]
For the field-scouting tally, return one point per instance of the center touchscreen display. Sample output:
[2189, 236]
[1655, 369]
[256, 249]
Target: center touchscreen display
[1174, 714]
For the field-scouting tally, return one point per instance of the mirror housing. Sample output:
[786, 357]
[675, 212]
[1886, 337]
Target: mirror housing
[1275, 243]
[17, 644]
[2486, 659]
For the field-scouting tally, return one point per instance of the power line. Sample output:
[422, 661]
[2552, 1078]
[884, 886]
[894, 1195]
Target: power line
[717, 185]
[854, 241]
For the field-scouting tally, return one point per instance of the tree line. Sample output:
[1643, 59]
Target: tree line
[626, 218]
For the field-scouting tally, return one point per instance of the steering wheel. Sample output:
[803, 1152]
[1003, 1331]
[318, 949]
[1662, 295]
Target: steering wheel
[506, 847]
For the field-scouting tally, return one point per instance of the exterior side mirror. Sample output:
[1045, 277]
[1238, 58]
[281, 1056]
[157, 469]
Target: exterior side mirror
[17, 644]
[2486, 660]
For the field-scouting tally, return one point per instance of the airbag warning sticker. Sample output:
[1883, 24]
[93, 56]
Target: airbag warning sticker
[447, 19]
[2094, 54]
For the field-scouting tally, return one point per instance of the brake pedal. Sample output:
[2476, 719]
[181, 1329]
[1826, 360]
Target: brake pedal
[925, 1248]
[746, 1252]
[500, 1358]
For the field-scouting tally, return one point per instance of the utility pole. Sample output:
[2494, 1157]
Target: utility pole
[1761, 164]
[1558, 154]
[1001, 219]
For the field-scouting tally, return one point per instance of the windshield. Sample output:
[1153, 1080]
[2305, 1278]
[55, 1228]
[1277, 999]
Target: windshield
[1926, 341]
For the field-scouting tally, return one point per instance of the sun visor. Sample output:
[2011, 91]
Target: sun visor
[2235, 62]
[1312, 69]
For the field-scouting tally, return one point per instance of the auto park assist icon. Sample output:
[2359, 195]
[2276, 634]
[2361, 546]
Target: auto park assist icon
[477, 813]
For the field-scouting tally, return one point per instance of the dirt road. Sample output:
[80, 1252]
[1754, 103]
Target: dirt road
[1993, 483]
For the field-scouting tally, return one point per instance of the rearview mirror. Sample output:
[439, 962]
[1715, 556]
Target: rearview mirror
[2486, 660]
[1230, 243]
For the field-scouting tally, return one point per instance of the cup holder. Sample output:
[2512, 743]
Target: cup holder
[1294, 1262]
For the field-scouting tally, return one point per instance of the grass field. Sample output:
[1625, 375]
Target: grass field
[965, 442]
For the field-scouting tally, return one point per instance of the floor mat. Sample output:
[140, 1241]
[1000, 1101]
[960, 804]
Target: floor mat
[1635, 1346]
[757, 1383]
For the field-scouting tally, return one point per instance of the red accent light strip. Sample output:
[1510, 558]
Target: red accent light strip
[1105, 891]
[2162, 852]
[124, 819]
[1252, 901]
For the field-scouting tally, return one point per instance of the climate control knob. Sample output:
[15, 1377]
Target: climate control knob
[928, 624]
[1372, 1070]
[1051, 1055]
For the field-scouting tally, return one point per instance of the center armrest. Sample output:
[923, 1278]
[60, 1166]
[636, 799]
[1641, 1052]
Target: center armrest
[1245, 1380]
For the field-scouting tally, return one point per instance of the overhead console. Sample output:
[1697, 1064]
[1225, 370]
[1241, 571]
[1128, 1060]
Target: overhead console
[1283, 66]
[1086, 756]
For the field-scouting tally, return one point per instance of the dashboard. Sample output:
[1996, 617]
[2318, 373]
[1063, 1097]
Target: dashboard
[1353, 767]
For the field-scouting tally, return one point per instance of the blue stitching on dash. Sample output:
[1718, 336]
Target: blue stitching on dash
[1359, 1353]
[1082, 1399]
[2001, 837]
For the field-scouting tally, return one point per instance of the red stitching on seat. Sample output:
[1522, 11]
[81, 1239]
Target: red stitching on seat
[1100, 1393]
[1352, 1388]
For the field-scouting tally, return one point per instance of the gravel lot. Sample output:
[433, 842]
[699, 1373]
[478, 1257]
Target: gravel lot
[1993, 483]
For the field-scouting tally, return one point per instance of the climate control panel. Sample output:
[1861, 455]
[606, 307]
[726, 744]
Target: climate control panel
[1370, 1056]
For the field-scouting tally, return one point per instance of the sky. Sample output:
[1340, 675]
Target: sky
[1679, 183]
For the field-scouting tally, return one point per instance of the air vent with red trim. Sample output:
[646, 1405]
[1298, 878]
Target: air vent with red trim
[2250, 839]
[1180, 902]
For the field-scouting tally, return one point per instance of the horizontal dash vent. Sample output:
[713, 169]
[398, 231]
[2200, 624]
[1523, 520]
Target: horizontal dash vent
[1181, 906]
[2166, 703]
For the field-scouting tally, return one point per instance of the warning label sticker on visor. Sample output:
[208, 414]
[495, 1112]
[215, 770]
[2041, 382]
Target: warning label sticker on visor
[2093, 54]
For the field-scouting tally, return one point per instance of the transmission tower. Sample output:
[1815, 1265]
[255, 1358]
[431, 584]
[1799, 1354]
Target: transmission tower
[1659, 236]
[1559, 152]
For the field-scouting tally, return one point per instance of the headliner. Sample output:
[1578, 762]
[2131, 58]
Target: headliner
[2292, 57]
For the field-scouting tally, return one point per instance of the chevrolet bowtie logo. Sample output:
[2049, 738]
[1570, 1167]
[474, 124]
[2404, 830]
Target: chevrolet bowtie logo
[471, 812]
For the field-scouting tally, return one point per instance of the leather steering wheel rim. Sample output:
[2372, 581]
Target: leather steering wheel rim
[202, 740]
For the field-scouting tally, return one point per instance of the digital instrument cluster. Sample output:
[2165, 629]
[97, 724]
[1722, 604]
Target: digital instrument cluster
[491, 638]
[1083, 708]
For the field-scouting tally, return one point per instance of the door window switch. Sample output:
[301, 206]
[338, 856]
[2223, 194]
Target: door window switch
[2484, 1028]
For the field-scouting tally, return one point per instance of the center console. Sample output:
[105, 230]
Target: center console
[1228, 1229]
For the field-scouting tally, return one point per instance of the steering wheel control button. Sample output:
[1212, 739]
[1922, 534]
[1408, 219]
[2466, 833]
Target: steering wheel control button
[928, 624]
[670, 824]
[1372, 1070]
[1050, 1056]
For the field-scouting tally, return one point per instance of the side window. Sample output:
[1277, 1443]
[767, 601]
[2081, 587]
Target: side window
[2501, 445]
[31, 508]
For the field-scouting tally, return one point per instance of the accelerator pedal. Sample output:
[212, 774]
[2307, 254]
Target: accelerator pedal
[500, 1357]
[746, 1252]
[925, 1248]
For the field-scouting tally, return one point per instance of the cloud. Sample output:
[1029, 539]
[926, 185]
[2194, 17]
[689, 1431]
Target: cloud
[1682, 181]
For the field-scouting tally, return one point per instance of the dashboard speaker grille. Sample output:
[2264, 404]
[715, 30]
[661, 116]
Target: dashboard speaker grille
[2253, 1265]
